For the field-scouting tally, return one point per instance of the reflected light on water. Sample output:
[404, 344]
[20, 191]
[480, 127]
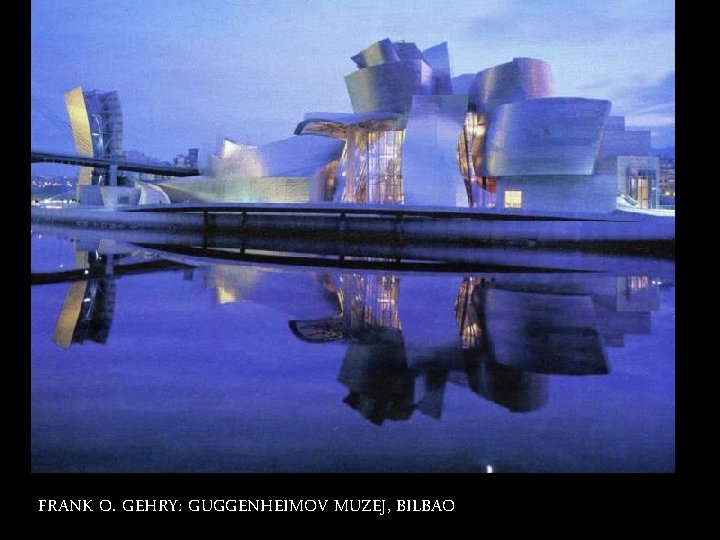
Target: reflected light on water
[237, 367]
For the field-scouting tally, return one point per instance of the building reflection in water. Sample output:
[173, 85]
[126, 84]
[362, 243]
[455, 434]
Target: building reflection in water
[501, 336]
[89, 304]
[88, 307]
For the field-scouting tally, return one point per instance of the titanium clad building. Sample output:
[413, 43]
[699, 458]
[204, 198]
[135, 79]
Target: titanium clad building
[497, 139]
[502, 142]
[281, 171]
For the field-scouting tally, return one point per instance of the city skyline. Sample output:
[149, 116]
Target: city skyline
[188, 75]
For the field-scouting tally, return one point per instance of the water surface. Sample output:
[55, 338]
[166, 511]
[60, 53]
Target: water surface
[236, 367]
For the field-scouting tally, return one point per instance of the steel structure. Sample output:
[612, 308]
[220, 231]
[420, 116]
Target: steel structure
[97, 127]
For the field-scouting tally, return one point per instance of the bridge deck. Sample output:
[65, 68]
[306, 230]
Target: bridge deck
[85, 161]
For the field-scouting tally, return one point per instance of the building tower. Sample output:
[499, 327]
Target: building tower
[97, 128]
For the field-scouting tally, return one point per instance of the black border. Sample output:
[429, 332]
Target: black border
[505, 500]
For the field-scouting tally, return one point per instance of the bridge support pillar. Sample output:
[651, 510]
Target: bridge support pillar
[112, 175]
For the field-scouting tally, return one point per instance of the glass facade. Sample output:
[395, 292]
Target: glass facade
[471, 159]
[468, 312]
[371, 167]
[641, 184]
[369, 302]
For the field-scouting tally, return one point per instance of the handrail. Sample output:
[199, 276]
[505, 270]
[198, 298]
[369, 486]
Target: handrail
[349, 210]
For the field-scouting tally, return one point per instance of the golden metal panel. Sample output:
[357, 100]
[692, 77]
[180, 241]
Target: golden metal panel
[65, 327]
[79, 121]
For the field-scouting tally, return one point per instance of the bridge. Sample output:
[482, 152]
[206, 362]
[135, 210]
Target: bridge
[112, 165]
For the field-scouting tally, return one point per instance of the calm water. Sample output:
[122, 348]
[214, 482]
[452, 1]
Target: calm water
[231, 367]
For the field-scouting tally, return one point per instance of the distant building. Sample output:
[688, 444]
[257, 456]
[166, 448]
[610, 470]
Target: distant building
[137, 156]
[187, 160]
[667, 176]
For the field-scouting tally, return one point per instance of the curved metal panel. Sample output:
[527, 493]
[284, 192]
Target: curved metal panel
[382, 52]
[439, 59]
[296, 156]
[544, 137]
[521, 79]
[335, 125]
[407, 50]
[79, 121]
[462, 83]
[430, 169]
[80, 126]
[389, 87]
[299, 156]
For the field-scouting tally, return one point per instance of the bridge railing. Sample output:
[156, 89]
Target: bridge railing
[355, 210]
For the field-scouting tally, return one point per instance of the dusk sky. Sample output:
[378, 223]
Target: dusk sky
[190, 72]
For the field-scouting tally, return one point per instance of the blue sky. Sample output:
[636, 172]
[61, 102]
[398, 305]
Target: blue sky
[189, 72]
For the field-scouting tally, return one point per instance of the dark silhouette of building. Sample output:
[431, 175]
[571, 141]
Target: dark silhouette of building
[511, 333]
[89, 305]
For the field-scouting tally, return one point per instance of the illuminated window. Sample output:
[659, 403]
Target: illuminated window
[513, 199]
[640, 182]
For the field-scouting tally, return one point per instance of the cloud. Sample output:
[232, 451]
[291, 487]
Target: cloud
[603, 84]
[571, 22]
[648, 105]
[662, 136]
[653, 104]
[658, 93]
